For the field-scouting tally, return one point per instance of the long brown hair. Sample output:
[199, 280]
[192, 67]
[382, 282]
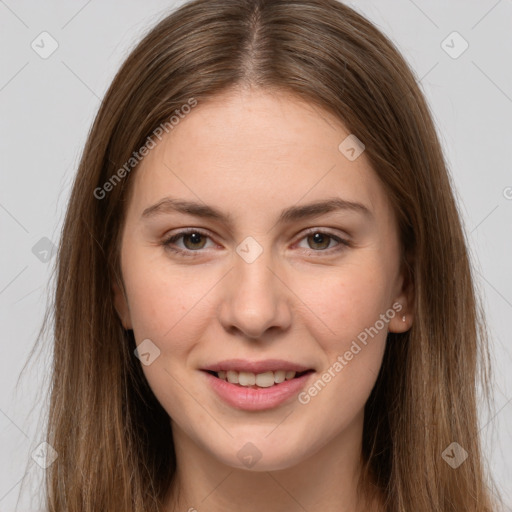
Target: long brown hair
[113, 437]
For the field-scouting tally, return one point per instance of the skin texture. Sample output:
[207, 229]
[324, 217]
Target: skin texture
[251, 154]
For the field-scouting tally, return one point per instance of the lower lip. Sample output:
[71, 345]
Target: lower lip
[251, 399]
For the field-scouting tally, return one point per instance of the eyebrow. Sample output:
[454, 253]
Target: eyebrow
[293, 213]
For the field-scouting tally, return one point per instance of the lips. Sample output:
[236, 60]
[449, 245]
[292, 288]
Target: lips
[253, 398]
[256, 367]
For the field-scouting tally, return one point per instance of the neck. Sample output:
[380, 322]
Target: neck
[325, 481]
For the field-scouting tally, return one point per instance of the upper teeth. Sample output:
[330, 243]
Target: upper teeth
[263, 380]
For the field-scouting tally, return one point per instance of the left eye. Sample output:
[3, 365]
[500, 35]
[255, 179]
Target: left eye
[321, 240]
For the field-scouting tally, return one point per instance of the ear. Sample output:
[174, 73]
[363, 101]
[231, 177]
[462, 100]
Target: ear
[121, 305]
[403, 303]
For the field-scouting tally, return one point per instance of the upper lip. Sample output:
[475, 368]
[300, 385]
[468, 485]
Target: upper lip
[268, 365]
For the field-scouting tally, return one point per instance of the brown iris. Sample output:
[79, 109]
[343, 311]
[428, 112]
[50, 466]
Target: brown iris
[320, 239]
[195, 239]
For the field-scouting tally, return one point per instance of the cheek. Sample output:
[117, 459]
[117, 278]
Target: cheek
[348, 299]
[163, 297]
[350, 318]
[166, 308]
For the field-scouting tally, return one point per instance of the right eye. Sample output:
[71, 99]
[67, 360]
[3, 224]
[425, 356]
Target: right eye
[193, 241]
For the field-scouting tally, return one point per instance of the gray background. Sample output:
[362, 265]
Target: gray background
[48, 105]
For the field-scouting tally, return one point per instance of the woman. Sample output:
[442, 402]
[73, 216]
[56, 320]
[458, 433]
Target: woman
[264, 298]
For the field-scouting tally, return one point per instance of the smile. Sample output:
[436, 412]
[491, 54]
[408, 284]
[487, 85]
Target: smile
[252, 397]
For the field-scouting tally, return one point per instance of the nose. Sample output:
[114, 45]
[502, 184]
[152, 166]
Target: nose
[255, 298]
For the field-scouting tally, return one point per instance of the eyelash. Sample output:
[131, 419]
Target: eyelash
[167, 243]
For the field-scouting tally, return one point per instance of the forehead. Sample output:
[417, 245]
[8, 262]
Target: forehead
[245, 149]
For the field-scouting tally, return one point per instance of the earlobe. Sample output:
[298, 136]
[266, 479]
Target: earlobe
[403, 306]
[121, 306]
[403, 318]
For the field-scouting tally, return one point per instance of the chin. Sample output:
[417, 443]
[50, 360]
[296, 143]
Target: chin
[257, 454]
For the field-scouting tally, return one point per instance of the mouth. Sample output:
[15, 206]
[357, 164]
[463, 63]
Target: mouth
[268, 379]
[260, 391]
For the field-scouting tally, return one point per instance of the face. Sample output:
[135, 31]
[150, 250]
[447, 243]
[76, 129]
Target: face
[224, 257]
